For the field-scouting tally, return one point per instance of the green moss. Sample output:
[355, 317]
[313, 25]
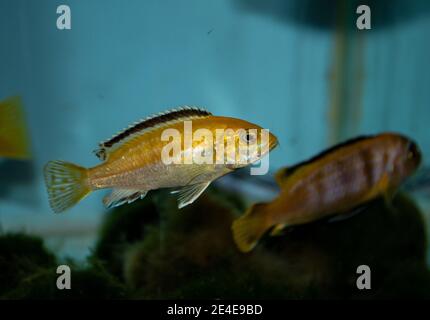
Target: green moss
[191, 240]
[88, 283]
[127, 225]
[20, 257]
[28, 271]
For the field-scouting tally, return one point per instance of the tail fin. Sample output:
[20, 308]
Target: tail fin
[13, 130]
[66, 183]
[249, 228]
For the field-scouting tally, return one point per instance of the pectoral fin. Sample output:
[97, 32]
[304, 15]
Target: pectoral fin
[387, 192]
[121, 196]
[388, 200]
[277, 230]
[190, 193]
[349, 214]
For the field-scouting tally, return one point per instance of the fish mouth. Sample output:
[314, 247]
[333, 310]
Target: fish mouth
[272, 144]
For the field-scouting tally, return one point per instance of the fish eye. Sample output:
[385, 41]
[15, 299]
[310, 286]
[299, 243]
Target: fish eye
[248, 137]
[413, 152]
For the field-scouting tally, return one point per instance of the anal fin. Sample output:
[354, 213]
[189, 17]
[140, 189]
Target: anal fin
[190, 193]
[121, 196]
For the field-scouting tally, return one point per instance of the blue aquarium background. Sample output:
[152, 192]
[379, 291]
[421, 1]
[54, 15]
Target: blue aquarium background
[299, 68]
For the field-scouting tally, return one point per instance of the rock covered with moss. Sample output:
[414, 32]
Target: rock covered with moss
[21, 256]
[28, 271]
[150, 249]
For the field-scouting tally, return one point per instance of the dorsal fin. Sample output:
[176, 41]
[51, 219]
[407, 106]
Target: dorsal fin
[282, 174]
[147, 124]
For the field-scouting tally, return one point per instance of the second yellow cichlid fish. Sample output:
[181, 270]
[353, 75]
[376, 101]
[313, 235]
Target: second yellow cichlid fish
[133, 163]
[14, 142]
[335, 181]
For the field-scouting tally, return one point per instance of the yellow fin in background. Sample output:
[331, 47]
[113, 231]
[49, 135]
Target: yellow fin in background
[14, 141]
[66, 183]
[248, 229]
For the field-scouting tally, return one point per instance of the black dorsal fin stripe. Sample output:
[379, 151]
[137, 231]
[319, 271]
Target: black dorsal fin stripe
[288, 171]
[185, 112]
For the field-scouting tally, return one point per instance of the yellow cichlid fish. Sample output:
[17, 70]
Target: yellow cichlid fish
[134, 160]
[335, 181]
[14, 143]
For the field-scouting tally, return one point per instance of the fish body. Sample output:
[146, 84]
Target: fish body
[14, 142]
[133, 161]
[336, 181]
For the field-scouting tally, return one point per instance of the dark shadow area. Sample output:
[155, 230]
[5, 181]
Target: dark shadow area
[17, 173]
[324, 14]
[420, 182]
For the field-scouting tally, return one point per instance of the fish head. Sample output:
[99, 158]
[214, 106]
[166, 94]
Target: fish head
[246, 143]
[407, 159]
[412, 157]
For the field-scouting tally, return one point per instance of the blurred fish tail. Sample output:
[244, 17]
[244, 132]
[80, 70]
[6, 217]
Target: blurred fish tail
[14, 141]
[67, 184]
[248, 229]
